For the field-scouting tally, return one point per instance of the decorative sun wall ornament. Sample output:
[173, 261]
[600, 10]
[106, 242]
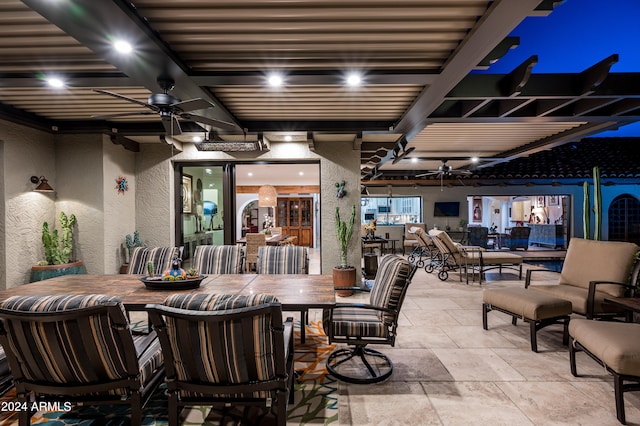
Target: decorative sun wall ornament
[122, 184]
[341, 191]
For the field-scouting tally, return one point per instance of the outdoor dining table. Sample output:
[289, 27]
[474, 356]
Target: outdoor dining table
[294, 292]
[273, 240]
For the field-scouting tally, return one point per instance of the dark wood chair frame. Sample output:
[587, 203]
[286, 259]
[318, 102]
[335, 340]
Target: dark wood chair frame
[279, 387]
[619, 385]
[85, 393]
[358, 345]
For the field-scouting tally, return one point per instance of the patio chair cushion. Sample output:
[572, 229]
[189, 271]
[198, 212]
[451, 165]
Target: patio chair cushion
[66, 346]
[218, 259]
[282, 260]
[590, 260]
[616, 344]
[211, 355]
[358, 322]
[160, 256]
[576, 295]
[493, 258]
[388, 287]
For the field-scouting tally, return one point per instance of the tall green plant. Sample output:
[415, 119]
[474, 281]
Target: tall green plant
[597, 204]
[344, 233]
[59, 250]
[586, 212]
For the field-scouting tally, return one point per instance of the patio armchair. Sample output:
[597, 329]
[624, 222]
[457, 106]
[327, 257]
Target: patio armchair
[359, 325]
[78, 349]
[616, 347]
[478, 236]
[218, 259]
[160, 256]
[592, 271]
[517, 238]
[242, 354]
[409, 238]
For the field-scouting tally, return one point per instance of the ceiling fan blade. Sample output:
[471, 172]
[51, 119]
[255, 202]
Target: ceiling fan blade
[211, 121]
[126, 98]
[191, 105]
[429, 174]
[171, 125]
[461, 172]
[121, 114]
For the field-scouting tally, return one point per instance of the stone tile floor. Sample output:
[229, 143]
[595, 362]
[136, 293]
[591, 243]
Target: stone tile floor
[449, 371]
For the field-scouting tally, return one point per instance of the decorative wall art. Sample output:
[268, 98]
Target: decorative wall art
[554, 200]
[477, 209]
[122, 184]
[187, 193]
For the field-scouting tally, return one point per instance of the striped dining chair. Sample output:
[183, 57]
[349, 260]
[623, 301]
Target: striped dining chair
[282, 260]
[218, 259]
[241, 355]
[160, 256]
[78, 347]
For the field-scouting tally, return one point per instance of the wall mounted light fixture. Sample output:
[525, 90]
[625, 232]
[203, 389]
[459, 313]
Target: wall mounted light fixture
[43, 184]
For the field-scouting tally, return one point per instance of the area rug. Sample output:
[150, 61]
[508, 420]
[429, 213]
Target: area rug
[315, 398]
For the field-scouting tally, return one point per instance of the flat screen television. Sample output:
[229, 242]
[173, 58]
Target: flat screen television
[384, 209]
[449, 208]
[369, 216]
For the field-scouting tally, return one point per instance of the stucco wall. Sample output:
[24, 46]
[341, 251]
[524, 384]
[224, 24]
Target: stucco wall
[155, 216]
[26, 152]
[119, 208]
[79, 190]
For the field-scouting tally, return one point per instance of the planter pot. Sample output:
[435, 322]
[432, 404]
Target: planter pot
[39, 273]
[344, 277]
[124, 268]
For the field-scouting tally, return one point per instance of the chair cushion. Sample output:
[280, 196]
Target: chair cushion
[357, 322]
[160, 256]
[391, 279]
[527, 304]
[216, 302]
[4, 365]
[216, 354]
[578, 297]
[590, 260]
[149, 354]
[282, 260]
[493, 258]
[616, 344]
[218, 259]
[66, 346]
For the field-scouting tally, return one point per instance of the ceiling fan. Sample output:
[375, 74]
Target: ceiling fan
[445, 170]
[170, 108]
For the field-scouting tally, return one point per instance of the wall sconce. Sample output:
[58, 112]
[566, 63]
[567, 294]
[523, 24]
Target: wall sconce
[43, 184]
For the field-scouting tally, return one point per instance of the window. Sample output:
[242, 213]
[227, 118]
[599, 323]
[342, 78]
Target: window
[392, 210]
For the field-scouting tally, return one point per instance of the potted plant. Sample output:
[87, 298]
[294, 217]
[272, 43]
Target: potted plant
[344, 275]
[462, 224]
[58, 252]
[131, 243]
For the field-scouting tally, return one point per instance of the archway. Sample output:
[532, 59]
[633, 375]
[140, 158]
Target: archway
[624, 219]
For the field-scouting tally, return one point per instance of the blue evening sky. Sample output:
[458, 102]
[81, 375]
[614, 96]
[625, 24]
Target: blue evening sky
[576, 35]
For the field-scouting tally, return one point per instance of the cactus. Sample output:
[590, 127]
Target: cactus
[150, 268]
[57, 251]
[586, 211]
[134, 242]
[344, 233]
[597, 204]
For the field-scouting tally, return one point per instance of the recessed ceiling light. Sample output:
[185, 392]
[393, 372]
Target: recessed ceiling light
[474, 159]
[301, 173]
[275, 80]
[249, 174]
[414, 160]
[55, 82]
[288, 138]
[197, 139]
[122, 46]
[354, 79]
